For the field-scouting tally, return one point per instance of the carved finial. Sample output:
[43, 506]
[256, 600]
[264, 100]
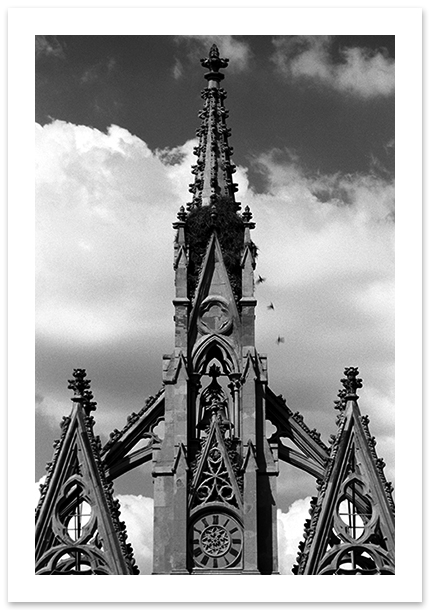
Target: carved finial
[182, 215]
[81, 390]
[246, 214]
[351, 383]
[213, 63]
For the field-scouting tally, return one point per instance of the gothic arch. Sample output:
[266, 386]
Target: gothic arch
[215, 347]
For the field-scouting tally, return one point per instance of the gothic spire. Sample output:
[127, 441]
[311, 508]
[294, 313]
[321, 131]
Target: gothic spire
[214, 169]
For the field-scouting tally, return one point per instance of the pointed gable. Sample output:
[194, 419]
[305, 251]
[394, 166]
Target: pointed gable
[214, 313]
[351, 530]
[215, 477]
[214, 279]
[202, 223]
[78, 530]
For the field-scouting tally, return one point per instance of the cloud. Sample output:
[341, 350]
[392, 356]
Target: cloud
[95, 193]
[137, 513]
[332, 225]
[290, 533]
[359, 72]
[37, 486]
[49, 46]
[237, 51]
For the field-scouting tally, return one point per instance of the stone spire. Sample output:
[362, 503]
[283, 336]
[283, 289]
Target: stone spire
[214, 169]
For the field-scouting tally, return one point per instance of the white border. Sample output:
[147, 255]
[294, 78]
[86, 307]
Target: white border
[405, 586]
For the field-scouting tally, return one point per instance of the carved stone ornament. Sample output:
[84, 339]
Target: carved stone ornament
[215, 316]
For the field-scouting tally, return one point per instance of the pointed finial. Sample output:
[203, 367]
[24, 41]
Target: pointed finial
[351, 383]
[82, 392]
[213, 63]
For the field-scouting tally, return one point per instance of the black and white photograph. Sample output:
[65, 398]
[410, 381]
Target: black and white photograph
[215, 321]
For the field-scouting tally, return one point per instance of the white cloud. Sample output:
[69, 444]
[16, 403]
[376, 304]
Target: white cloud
[326, 227]
[360, 72]
[95, 193]
[137, 513]
[290, 533]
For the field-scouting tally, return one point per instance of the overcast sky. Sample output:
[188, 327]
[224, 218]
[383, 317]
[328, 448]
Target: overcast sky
[312, 122]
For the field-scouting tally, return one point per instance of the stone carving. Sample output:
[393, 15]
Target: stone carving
[214, 62]
[351, 382]
[215, 316]
[215, 540]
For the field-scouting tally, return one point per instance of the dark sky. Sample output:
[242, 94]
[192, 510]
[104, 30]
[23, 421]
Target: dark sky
[129, 81]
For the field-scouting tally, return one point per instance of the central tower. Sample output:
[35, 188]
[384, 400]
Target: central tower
[215, 471]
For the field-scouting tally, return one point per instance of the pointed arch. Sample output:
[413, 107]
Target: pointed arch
[216, 347]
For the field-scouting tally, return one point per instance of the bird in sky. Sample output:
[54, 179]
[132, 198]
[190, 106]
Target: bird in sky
[260, 280]
[280, 340]
[271, 306]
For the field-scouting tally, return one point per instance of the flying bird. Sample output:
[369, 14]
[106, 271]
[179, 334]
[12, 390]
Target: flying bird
[260, 280]
[271, 306]
[280, 340]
